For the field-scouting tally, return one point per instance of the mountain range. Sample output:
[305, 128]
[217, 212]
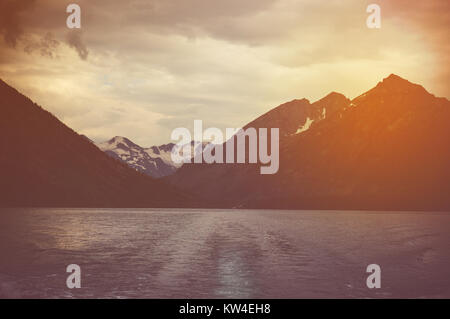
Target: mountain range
[386, 149]
[154, 161]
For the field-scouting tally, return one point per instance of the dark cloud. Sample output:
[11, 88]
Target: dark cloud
[11, 19]
[37, 26]
[75, 41]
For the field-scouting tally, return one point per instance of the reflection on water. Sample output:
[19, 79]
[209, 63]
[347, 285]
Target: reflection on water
[222, 254]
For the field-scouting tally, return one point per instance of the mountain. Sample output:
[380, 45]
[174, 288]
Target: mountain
[297, 116]
[45, 163]
[384, 150]
[155, 161]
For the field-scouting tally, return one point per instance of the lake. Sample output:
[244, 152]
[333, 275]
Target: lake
[184, 253]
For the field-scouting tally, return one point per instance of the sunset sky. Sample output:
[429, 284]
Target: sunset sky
[141, 68]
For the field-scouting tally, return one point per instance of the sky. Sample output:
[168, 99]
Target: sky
[141, 68]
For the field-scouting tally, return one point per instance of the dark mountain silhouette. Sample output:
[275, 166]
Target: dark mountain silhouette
[386, 150]
[45, 163]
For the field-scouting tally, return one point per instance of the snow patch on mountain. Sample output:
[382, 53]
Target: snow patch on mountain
[306, 126]
[155, 161]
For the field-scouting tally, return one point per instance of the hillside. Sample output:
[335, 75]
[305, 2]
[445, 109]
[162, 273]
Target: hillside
[45, 163]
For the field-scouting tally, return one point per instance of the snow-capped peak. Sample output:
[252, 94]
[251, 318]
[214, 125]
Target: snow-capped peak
[155, 161]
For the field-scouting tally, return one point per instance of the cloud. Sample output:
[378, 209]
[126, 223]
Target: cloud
[47, 45]
[143, 67]
[37, 26]
[431, 21]
[11, 20]
[74, 40]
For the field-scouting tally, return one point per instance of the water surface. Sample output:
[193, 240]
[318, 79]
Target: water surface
[154, 253]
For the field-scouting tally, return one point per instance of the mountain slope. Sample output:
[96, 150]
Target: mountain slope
[387, 149]
[298, 115]
[45, 163]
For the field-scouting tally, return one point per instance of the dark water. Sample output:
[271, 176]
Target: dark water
[219, 253]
